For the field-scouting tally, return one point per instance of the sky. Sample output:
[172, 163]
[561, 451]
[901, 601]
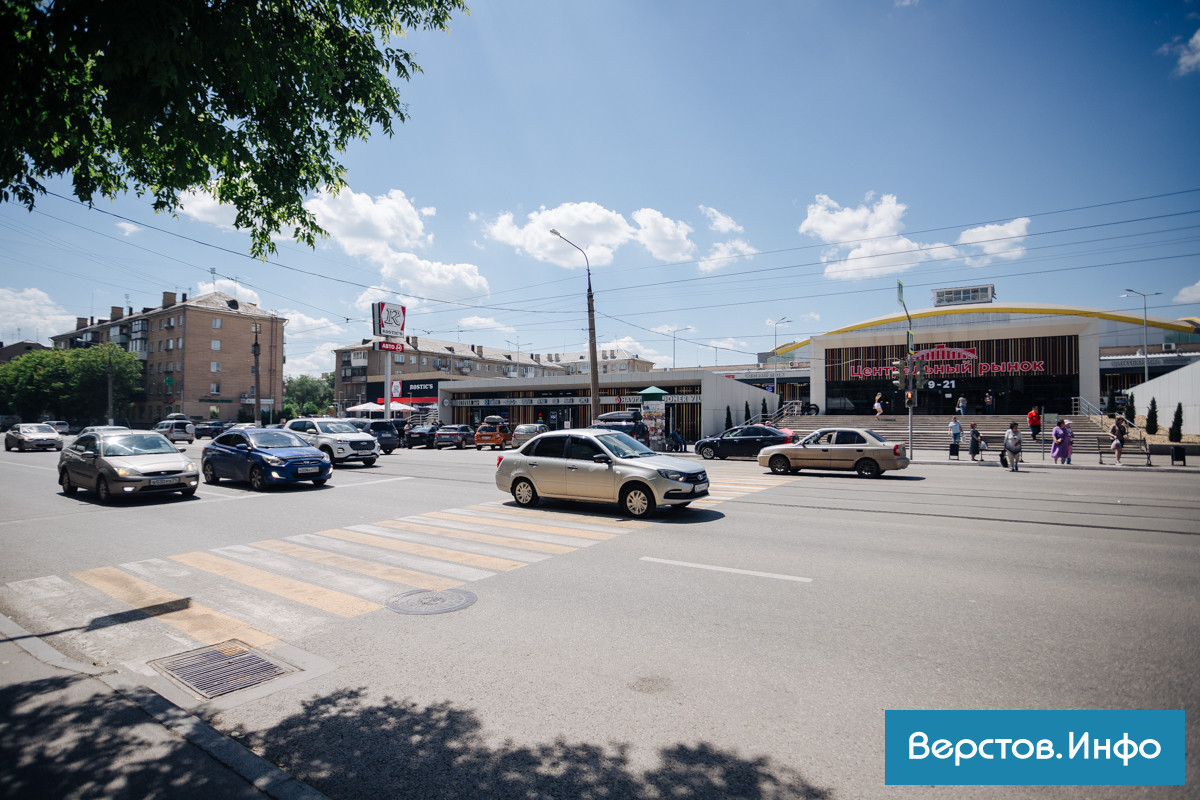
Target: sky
[736, 175]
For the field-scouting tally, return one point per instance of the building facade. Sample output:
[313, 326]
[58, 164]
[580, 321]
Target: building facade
[197, 355]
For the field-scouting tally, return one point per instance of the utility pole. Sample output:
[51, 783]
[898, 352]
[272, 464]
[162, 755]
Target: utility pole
[255, 349]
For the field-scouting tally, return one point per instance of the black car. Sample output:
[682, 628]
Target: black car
[628, 422]
[458, 436]
[210, 429]
[745, 440]
[382, 429]
[420, 436]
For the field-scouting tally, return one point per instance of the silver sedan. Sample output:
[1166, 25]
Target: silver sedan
[117, 464]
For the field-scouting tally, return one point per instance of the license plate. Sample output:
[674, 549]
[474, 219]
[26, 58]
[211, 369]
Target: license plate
[162, 481]
[700, 487]
[307, 470]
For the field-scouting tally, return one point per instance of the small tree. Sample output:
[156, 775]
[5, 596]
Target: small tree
[728, 418]
[1152, 417]
[1130, 411]
[765, 413]
[747, 412]
[1175, 432]
[1111, 407]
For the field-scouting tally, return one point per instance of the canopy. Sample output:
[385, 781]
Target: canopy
[368, 407]
[398, 407]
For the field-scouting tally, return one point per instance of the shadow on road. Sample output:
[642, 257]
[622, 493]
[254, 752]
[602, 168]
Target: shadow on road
[347, 746]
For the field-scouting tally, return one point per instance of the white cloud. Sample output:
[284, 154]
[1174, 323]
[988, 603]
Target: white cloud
[301, 324]
[309, 357]
[904, 3]
[725, 253]
[31, 314]
[665, 238]
[730, 343]
[205, 208]
[994, 241]
[231, 288]
[1188, 294]
[128, 228]
[595, 229]
[1187, 54]
[719, 222]
[485, 324]
[635, 347]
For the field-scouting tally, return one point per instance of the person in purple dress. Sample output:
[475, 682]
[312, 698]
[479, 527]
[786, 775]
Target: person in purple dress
[1060, 436]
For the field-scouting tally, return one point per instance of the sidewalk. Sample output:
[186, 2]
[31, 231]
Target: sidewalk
[71, 730]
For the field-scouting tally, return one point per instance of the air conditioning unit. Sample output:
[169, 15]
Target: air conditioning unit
[1169, 347]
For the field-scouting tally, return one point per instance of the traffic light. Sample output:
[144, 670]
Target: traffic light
[898, 366]
[919, 370]
[910, 399]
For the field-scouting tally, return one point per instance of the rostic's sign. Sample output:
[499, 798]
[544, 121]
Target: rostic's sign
[387, 319]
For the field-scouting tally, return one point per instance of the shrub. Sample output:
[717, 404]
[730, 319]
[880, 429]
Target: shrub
[1152, 417]
[1130, 411]
[747, 412]
[728, 418]
[1111, 406]
[1175, 432]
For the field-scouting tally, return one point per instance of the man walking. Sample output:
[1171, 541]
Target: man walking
[1035, 423]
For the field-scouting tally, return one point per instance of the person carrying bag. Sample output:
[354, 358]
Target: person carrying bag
[1012, 446]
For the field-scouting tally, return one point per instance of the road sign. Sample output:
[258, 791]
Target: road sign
[387, 319]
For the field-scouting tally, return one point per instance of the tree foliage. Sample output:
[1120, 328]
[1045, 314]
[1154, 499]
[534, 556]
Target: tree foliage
[71, 384]
[1175, 432]
[1130, 409]
[302, 390]
[1152, 417]
[247, 101]
[728, 418]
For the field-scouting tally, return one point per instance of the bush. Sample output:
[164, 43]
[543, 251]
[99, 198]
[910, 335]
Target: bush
[1111, 406]
[1152, 417]
[1175, 432]
[747, 412]
[1130, 411]
[728, 418]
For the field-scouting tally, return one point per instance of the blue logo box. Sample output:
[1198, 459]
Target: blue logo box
[1034, 748]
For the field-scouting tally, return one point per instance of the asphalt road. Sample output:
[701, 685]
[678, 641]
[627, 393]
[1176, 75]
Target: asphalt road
[746, 648]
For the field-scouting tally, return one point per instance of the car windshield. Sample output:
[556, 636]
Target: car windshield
[623, 445]
[37, 429]
[336, 427]
[271, 439]
[136, 444]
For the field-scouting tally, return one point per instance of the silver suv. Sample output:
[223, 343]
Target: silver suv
[601, 466]
[338, 439]
[177, 430]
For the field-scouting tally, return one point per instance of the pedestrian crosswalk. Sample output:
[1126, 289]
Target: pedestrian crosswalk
[287, 588]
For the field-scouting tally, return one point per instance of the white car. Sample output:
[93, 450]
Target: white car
[338, 439]
[177, 430]
[600, 466]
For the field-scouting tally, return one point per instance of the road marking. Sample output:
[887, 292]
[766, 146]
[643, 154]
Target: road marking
[463, 515]
[750, 572]
[427, 550]
[588, 521]
[473, 536]
[199, 622]
[385, 572]
[335, 602]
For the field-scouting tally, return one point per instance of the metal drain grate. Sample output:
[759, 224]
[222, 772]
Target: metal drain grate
[422, 601]
[221, 668]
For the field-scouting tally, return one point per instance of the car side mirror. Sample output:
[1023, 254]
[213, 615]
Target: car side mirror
[181, 449]
[600, 458]
[243, 446]
[88, 454]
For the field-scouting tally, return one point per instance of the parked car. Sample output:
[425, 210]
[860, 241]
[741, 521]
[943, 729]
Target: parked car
[384, 430]
[337, 438]
[599, 465]
[526, 431]
[33, 436]
[858, 449]
[117, 464]
[264, 457]
[60, 425]
[494, 432]
[744, 440]
[177, 430]
[459, 436]
[211, 429]
[420, 436]
[628, 421]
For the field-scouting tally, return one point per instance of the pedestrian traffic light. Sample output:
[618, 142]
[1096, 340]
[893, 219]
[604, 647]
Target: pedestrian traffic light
[910, 399]
[898, 366]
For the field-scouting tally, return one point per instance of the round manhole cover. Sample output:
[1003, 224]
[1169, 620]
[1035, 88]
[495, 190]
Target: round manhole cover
[423, 601]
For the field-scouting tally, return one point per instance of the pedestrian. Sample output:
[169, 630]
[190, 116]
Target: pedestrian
[955, 430]
[962, 406]
[976, 445]
[1118, 433]
[1012, 446]
[1068, 438]
[989, 404]
[1058, 450]
[1035, 423]
[878, 405]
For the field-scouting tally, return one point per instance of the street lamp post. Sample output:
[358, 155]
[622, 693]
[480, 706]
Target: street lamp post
[1145, 335]
[775, 353]
[673, 332]
[594, 366]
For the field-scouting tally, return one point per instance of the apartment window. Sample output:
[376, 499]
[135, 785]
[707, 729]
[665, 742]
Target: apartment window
[412, 359]
[251, 369]
[216, 322]
[179, 342]
[214, 366]
[424, 361]
[216, 344]
[214, 388]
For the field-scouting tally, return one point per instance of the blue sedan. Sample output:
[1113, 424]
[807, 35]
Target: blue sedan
[264, 457]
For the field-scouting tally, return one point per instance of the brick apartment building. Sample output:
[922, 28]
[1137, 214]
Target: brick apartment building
[197, 355]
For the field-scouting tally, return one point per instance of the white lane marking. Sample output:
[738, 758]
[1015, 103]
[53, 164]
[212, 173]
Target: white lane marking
[729, 569]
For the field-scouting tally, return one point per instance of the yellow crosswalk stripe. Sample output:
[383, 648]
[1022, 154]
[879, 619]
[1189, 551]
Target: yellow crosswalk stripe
[585, 519]
[410, 577]
[427, 550]
[524, 526]
[472, 536]
[335, 602]
[203, 624]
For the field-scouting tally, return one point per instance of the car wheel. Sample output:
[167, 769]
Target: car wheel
[501, 445]
[102, 490]
[388, 451]
[637, 501]
[327, 451]
[524, 493]
[478, 447]
[59, 448]
[368, 462]
[64, 480]
[780, 465]
[21, 447]
[258, 481]
[680, 506]
[7, 447]
[867, 468]
[320, 481]
[210, 474]
[459, 446]
[707, 453]
[188, 492]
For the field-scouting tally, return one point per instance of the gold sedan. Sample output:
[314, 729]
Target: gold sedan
[858, 449]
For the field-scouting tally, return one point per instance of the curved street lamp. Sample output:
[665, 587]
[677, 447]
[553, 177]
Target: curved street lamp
[1145, 335]
[775, 352]
[594, 367]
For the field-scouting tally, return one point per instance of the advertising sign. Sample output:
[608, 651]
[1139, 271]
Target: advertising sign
[387, 319]
[395, 347]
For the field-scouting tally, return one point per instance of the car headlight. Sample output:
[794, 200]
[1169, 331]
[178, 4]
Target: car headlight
[128, 472]
[190, 467]
[274, 461]
[673, 475]
[324, 457]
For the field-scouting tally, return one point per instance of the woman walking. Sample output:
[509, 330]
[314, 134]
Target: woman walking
[975, 448]
[1012, 446]
[878, 405]
[1058, 450]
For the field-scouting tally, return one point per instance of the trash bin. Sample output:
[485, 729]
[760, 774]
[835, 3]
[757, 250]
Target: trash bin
[1178, 453]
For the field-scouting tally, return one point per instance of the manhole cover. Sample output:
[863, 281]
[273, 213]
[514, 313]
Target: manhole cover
[422, 601]
[221, 668]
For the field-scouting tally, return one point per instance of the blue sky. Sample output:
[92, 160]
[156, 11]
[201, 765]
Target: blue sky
[723, 165]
